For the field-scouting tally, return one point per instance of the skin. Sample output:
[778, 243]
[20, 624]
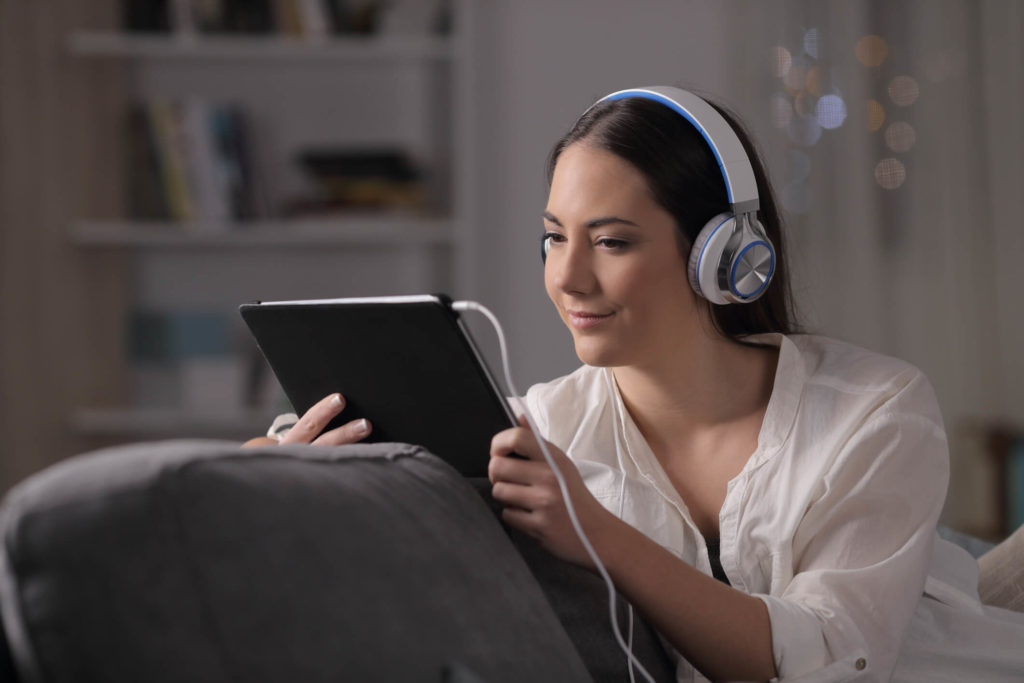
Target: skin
[314, 420]
[617, 279]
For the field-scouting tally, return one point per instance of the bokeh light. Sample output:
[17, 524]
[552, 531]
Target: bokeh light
[890, 173]
[876, 115]
[900, 136]
[782, 60]
[871, 50]
[811, 42]
[781, 110]
[795, 79]
[804, 103]
[903, 90]
[813, 81]
[830, 111]
[804, 131]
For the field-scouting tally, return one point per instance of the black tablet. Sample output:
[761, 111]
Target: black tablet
[407, 364]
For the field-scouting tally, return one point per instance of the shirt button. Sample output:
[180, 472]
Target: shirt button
[861, 664]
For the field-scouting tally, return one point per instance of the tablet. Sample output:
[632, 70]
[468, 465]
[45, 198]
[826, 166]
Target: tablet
[407, 364]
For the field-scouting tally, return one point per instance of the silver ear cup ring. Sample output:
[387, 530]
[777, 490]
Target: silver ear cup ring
[747, 268]
[731, 261]
[707, 249]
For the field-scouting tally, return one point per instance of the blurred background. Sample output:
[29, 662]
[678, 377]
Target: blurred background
[163, 161]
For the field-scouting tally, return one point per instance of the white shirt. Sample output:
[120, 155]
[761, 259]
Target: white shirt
[831, 522]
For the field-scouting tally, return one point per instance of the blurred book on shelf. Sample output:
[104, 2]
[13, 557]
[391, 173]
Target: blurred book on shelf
[359, 180]
[190, 160]
[297, 18]
[196, 361]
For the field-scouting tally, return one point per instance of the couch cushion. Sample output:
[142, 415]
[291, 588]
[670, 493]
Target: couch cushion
[202, 561]
[580, 599]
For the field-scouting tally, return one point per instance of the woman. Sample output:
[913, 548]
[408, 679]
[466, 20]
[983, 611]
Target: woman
[766, 500]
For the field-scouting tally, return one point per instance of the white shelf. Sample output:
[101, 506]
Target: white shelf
[145, 423]
[259, 47]
[353, 231]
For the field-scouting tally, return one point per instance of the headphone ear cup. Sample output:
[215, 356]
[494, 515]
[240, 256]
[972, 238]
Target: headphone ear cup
[706, 255]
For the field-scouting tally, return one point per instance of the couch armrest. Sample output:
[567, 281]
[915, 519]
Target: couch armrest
[202, 561]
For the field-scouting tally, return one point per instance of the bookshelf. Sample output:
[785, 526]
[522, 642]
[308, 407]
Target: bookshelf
[409, 91]
[277, 234]
[259, 48]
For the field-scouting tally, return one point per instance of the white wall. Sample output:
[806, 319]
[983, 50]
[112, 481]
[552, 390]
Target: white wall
[547, 62]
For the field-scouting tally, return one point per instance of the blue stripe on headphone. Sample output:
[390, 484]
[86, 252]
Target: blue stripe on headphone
[672, 104]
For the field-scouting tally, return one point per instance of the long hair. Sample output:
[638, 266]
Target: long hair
[684, 178]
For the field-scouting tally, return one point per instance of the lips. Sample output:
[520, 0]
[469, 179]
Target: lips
[582, 320]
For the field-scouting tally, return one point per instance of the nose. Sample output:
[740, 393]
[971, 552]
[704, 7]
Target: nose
[570, 267]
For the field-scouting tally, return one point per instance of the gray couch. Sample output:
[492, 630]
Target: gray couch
[201, 561]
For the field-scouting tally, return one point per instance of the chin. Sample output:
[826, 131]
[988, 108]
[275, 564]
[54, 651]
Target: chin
[597, 355]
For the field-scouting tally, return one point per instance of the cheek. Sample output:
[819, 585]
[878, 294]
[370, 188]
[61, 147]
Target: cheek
[640, 284]
[656, 290]
[549, 285]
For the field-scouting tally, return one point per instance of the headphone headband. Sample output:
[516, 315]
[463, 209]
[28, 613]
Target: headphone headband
[725, 145]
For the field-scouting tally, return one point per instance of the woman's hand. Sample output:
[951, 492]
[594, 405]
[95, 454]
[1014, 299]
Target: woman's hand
[533, 502]
[315, 419]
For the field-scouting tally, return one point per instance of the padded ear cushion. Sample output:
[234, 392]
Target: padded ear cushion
[705, 256]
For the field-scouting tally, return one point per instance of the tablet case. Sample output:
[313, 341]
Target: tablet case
[406, 364]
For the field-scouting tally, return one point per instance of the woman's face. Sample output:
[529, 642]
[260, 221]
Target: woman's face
[613, 269]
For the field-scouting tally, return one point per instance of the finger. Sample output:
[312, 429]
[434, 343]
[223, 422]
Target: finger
[315, 419]
[518, 471]
[356, 430]
[522, 520]
[516, 440]
[523, 497]
[259, 441]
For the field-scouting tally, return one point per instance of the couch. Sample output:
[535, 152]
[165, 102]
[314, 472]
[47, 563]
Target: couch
[202, 561]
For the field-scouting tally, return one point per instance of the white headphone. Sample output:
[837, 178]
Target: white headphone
[732, 260]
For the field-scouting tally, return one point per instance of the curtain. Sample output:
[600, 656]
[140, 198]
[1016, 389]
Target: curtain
[60, 306]
[902, 217]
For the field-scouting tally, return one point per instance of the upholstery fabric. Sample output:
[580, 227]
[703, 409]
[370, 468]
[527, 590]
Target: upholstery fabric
[580, 599]
[202, 561]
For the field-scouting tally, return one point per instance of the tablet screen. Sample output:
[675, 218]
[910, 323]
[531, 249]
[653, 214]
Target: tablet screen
[407, 364]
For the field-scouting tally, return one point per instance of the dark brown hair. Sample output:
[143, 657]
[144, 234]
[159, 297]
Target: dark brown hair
[684, 178]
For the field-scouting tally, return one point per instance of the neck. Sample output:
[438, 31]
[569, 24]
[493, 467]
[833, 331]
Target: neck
[713, 382]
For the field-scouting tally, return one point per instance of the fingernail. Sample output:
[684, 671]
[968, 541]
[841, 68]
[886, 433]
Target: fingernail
[336, 400]
[362, 426]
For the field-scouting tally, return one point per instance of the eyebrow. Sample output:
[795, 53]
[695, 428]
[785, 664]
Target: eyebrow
[593, 222]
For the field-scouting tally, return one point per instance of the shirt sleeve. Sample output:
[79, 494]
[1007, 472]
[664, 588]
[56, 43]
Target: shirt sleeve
[861, 552]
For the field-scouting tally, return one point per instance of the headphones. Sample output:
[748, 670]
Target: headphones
[732, 260]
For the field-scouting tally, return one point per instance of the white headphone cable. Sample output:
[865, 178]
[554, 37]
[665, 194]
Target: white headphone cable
[479, 308]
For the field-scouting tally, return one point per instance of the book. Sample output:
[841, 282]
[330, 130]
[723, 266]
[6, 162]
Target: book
[170, 145]
[191, 161]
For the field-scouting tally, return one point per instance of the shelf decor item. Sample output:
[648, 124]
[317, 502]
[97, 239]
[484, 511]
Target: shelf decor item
[360, 179]
[303, 19]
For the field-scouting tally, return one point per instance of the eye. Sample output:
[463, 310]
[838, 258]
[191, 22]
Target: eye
[550, 238]
[612, 243]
